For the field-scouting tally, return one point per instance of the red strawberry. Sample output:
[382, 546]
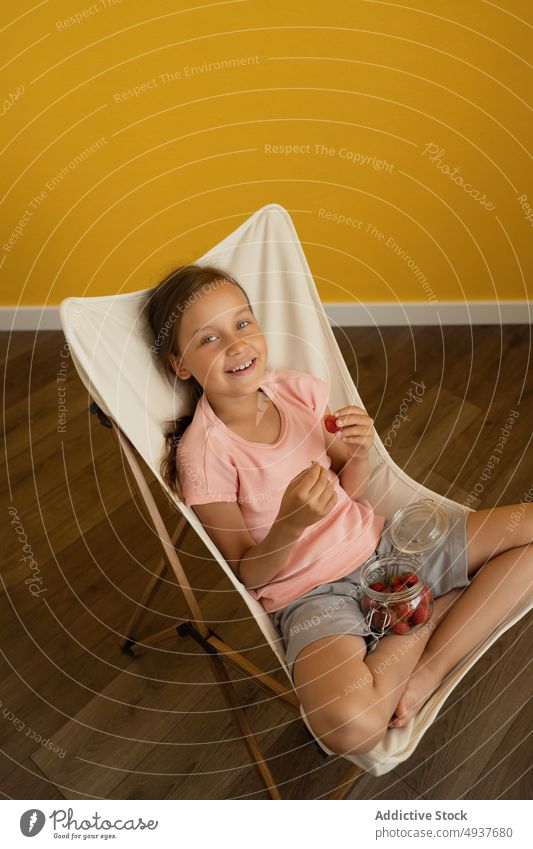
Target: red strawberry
[403, 609]
[331, 425]
[398, 588]
[395, 580]
[378, 586]
[421, 615]
[409, 579]
[401, 627]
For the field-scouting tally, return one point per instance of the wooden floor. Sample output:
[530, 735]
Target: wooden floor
[156, 727]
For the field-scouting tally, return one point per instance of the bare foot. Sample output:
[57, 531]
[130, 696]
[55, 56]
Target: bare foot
[423, 681]
[421, 685]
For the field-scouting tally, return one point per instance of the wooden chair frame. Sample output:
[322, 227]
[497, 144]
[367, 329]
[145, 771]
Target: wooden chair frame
[217, 650]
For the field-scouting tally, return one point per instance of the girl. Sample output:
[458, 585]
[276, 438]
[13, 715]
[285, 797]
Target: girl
[281, 498]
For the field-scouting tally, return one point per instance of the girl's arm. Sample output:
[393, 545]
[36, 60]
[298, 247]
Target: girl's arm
[353, 469]
[356, 474]
[254, 564]
[261, 563]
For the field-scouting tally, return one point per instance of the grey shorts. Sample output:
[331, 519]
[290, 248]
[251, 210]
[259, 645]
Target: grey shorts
[333, 608]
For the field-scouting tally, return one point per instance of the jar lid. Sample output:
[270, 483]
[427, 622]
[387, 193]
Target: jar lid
[419, 527]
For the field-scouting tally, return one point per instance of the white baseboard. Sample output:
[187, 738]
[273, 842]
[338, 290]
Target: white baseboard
[29, 318]
[429, 313]
[340, 315]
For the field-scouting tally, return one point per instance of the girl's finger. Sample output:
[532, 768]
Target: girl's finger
[354, 420]
[354, 430]
[343, 411]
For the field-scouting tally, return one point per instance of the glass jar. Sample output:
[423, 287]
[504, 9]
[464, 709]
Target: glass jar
[419, 527]
[398, 606]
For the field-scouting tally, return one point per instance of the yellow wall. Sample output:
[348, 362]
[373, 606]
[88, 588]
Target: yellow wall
[361, 87]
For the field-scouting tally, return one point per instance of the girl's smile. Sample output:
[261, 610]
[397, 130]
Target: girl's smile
[239, 371]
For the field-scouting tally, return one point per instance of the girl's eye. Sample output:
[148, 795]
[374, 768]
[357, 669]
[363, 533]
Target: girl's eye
[242, 321]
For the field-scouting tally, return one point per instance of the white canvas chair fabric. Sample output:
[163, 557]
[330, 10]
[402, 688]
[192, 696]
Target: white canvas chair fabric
[110, 347]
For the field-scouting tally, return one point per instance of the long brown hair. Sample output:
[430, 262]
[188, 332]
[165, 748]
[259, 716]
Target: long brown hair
[163, 309]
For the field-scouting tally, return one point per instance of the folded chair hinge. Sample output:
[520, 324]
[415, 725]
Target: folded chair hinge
[104, 420]
[187, 629]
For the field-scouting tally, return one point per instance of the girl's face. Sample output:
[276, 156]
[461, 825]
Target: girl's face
[217, 332]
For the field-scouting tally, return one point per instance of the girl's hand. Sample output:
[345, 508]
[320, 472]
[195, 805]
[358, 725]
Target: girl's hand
[357, 431]
[308, 498]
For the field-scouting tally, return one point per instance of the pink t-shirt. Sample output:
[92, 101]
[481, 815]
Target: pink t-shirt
[216, 464]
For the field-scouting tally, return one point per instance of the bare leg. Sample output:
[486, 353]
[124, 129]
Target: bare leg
[501, 587]
[349, 695]
[395, 657]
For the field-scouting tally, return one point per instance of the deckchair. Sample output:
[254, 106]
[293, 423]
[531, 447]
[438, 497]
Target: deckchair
[109, 344]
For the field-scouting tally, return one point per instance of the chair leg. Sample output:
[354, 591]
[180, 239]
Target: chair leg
[136, 648]
[129, 638]
[244, 726]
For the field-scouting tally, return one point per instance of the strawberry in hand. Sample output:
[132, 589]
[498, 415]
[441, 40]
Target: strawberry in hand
[331, 426]
[355, 429]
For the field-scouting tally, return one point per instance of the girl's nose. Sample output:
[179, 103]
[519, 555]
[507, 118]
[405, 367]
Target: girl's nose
[236, 346]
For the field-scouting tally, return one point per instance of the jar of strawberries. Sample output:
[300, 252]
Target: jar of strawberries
[395, 596]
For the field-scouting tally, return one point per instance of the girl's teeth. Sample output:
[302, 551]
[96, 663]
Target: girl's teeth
[242, 368]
